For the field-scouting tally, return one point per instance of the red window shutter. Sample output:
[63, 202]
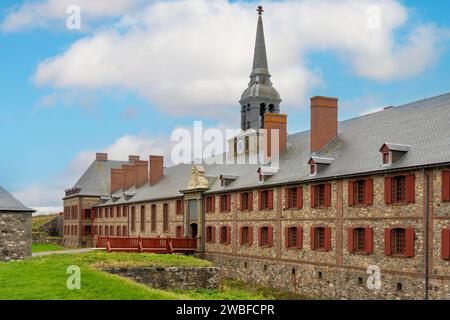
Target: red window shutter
[410, 242]
[387, 242]
[313, 196]
[445, 185]
[250, 201]
[369, 240]
[259, 237]
[241, 206]
[250, 235]
[351, 198]
[411, 188]
[259, 200]
[286, 198]
[328, 239]
[368, 197]
[327, 195]
[299, 237]
[270, 236]
[311, 238]
[350, 240]
[270, 193]
[388, 190]
[228, 203]
[213, 204]
[299, 197]
[241, 231]
[445, 244]
[286, 237]
[228, 235]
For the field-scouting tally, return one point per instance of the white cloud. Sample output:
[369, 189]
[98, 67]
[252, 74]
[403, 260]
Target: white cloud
[195, 55]
[45, 14]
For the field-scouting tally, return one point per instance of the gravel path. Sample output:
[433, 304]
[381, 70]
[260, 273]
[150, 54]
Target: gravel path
[75, 251]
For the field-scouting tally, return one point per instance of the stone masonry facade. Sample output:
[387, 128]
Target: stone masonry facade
[15, 236]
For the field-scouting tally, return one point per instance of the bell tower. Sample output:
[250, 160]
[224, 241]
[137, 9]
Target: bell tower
[260, 97]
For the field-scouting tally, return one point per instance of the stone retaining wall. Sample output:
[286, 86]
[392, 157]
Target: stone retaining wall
[171, 277]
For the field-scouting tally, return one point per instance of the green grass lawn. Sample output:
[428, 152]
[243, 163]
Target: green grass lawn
[44, 278]
[40, 247]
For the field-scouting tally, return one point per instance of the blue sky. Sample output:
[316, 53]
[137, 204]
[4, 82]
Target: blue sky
[53, 118]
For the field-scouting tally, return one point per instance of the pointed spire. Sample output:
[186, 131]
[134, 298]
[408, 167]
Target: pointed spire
[260, 57]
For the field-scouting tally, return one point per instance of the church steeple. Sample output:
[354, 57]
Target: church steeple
[260, 97]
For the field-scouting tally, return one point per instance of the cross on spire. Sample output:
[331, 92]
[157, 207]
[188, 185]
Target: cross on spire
[260, 10]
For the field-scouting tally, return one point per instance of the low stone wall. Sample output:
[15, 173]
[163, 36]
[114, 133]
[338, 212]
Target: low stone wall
[171, 277]
[319, 281]
[15, 236]
[43, 238]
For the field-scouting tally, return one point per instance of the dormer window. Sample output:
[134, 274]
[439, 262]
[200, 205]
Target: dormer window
[392, 152]
[317, 164]
[227, 179]
[266, 172]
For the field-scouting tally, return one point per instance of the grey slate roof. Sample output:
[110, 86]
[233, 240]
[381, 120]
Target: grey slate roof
[422, 125]
[96, 180]
[11, 204]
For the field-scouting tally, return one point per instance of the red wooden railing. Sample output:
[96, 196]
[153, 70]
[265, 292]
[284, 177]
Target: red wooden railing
[155, 245]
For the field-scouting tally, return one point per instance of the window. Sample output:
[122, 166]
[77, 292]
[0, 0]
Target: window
[124, 231]
[210, 205]
[125, 212]
[398, 241]
[165, 217]
[245, 238]
[225, 235]
[210, 234]
[153, 218]
[266, 200]
[445, 244]
[398, 189]
[133, 219]
[247, 145]
[235, 142]
[264, 236]
[106, 231]
[225, 203]
[359, 187]
[292, 237]
[319, 238]
[95, 230]
[118, 212]
[179, 233]
[313, 169]
[386, 158]
[111, 231]
[100, 230]
[359, 240]
[446, 186]
[118, 232]
[180, 207]
[321, 195]
[142, 218]
[245, 201]
[294, 198]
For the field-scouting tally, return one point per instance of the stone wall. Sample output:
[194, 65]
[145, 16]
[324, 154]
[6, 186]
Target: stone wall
[172, 278]
[15, 236]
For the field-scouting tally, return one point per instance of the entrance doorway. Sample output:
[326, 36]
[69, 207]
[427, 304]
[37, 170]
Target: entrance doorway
[194, 230]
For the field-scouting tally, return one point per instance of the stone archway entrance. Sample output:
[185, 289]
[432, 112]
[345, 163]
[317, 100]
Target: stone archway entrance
[193, 230]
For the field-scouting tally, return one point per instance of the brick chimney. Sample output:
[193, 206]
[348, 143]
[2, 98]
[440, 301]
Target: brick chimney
[132, 158]
[129, 176]
[101, 156]
[275, 121]
[156, 169]
[324, 122]
[116, 180]
[141, 172]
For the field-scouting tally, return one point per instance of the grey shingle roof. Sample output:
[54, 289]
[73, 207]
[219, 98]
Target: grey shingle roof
[11, 204]
[96, 180]
[422, 125]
